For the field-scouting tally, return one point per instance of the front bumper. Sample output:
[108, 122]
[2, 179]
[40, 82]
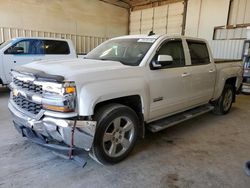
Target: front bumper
[56, 129]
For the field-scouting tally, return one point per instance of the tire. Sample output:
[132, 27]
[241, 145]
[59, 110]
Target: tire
[224, 103]
[116, 133]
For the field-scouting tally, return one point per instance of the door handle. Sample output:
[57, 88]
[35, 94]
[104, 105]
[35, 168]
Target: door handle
[211, 71]
[185, 74]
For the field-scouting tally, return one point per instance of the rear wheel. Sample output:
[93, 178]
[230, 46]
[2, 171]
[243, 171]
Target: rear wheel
[116, 133]
[224, 103]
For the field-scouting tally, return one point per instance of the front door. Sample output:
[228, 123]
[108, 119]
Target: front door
[170, 86]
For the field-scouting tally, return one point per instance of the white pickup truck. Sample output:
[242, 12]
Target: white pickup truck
[104, 102]
[23, 50]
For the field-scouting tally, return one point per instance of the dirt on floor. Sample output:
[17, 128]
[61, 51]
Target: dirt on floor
[208, 151]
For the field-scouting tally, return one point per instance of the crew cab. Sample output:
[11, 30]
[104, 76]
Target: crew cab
[104, 102]
[20, 51]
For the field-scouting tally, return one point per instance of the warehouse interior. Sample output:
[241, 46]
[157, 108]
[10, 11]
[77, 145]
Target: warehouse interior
[207, 151]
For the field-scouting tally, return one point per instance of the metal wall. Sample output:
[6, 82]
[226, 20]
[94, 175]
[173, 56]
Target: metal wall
[204, 15]
[83, 44]
[227, 49]
[226, 34]
[166, 19]
[239, 12]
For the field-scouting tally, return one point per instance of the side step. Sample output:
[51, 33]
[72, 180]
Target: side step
[178, 118]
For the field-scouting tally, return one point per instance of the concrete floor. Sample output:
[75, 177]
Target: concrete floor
[209, 151]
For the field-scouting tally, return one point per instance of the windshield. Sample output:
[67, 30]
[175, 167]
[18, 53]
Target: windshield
[5, 43]
[127, 51]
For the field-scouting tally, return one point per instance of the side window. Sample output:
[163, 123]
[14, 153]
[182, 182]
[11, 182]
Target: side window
[26, 47]
[174, 49]
[198, 52]
[54, 47]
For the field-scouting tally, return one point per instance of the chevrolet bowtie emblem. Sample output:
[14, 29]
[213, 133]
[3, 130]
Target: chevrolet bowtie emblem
[15, 92]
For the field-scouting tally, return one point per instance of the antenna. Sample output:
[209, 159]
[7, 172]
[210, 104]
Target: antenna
[151, 33]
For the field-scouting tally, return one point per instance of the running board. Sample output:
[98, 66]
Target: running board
[178, 118]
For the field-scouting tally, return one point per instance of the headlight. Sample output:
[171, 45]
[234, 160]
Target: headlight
[63, 96]
[58, 88]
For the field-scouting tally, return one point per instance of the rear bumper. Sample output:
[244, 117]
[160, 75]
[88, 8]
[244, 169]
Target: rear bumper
[245, 88]
[55, 129]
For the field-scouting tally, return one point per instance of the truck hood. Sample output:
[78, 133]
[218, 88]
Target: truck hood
[86, 70]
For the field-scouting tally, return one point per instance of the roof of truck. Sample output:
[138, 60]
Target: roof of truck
[138, 36]
[44, 38]
[158, 36]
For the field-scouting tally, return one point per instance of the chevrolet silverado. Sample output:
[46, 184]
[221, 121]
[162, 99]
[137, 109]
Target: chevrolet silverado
[104, 102]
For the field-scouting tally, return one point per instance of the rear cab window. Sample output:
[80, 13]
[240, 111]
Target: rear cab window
[198, 52]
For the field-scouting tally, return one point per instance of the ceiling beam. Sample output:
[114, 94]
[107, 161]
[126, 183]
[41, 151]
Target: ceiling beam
[137, 4]
[118, 3]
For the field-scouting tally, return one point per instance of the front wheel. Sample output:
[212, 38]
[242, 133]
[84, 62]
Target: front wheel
[224, 103]
[116, 133]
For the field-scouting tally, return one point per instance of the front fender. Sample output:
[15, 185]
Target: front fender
[93, 93]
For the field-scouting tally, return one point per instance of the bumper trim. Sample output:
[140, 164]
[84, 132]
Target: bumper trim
[38, 139]
[57, 129]
[245, 88]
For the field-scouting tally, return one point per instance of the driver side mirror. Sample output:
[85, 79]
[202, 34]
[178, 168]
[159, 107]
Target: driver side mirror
[16, 50]
[162, 60]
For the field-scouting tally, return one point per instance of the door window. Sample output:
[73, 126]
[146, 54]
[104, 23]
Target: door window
[198, 52]
[54, 47]
[26, 47]
[174, 49]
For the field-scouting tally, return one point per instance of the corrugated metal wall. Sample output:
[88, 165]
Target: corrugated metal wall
[166, 19]
[227, 49]
[83, 44]
[239, 19]
[239, 12]
[235, 33]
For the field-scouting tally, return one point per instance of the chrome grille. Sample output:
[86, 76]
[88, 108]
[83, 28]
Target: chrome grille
[27, 105]
[28, 86]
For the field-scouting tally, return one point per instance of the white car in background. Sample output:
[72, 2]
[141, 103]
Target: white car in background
[20, 51]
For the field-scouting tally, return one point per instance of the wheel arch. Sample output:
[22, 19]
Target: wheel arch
[134, 102]
[232, 81]
[220, 85]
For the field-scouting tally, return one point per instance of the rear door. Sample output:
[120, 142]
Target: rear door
[203, 73]
[20, 53]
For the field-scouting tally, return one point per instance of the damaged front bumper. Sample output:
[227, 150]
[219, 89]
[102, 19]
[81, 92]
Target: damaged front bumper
[56, 130]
